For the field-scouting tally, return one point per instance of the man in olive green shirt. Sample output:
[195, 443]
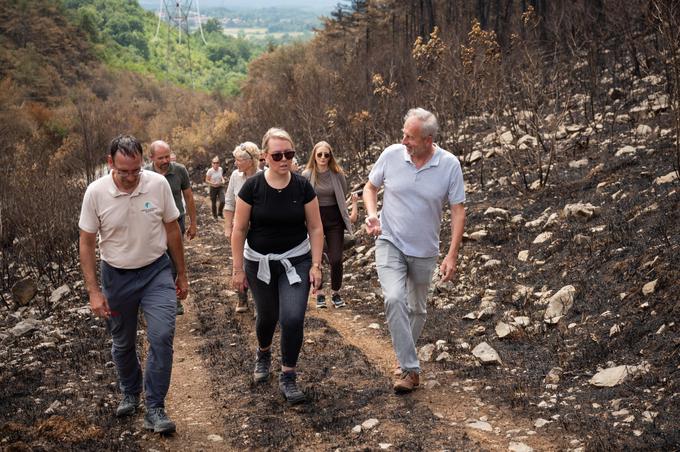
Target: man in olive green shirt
[178, 177]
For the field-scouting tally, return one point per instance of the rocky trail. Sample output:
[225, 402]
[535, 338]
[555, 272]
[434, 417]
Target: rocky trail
[345, 368]
[559, 333]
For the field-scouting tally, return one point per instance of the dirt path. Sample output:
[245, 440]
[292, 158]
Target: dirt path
[345, 369]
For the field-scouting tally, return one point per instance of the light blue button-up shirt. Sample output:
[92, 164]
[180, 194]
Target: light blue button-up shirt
[414, 198]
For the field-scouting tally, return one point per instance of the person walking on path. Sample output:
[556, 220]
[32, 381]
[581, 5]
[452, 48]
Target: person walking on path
[276, 244]
[134, 213]
[418, 177]
[330, 185]
[178, 177]
[214, 177]
[246, 156]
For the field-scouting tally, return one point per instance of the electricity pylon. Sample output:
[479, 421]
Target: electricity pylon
[177, 14]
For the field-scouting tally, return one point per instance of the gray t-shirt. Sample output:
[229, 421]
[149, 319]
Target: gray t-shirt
[324, 189]
[413, 199]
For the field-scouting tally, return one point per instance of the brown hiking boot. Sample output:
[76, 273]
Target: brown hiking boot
[406, 382]
[242, 303]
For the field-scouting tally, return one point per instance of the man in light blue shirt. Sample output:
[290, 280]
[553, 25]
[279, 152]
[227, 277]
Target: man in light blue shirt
[419, 178]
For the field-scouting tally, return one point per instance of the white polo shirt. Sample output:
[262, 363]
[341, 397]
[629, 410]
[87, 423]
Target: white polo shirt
[413, 199]
[130, 226]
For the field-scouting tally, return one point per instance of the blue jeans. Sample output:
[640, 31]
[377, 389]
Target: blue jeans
[282, 303]
[405, 281]
[151, 288]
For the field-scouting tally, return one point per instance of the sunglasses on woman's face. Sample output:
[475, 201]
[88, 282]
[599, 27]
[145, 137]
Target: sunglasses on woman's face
[289, 154]
[323, 155]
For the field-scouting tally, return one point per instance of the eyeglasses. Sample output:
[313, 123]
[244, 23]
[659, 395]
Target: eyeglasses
[289, 154]
[323, 155]
[133, 173]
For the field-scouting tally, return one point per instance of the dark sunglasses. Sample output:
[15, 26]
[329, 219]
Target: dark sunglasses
[324, 155]
[279, 155]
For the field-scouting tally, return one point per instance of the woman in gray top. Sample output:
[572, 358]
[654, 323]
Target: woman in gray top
[246, 157]
[330, 185]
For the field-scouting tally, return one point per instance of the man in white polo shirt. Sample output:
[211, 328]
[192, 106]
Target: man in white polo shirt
[134, 213]
[419, 178]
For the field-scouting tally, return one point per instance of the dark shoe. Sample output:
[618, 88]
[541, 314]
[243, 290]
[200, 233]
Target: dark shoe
[337, 301]
[263, 361]
[406, 382]
[242, 303]
[128, 405]
[156, 420]
[321, 301]
[289, 388]
[180, 308]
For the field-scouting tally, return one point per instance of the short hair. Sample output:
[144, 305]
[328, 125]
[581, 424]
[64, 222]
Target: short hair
[275, 132]
[247, 149]
[158, 144]
[127, 145]
[428, 121]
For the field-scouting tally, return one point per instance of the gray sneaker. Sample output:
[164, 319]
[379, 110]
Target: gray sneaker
[337, 301]
[263, 361]
[156, 420]
[128, 405]
[320, 301]
[289, 388]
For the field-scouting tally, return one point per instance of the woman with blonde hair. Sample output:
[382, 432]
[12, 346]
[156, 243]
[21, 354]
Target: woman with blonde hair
[246, 156]
[276, 244]
[330, 185]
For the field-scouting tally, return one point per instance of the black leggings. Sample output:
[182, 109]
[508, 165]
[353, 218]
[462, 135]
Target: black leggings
[217, 194]
[283, 303]
[334, 230]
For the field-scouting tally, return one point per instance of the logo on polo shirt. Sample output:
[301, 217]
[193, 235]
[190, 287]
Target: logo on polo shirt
[148, 207]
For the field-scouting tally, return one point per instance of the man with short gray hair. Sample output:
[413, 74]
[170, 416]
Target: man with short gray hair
[418, 178]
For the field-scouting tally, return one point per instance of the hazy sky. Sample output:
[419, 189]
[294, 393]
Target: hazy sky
[320, 5]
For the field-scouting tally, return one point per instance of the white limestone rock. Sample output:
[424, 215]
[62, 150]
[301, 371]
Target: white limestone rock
[614, 376]
[369, 424]
[542, 237]
[625, 151]
[480, 425]
[559, 304]
[667, 179]
[578, 163]
[504, 329]
[425, 352]
[516, 446]
[581, 211]
[59, 292]
[643, 130]
[25, 327]
[650, 287]
[495, 212]
[486, 354]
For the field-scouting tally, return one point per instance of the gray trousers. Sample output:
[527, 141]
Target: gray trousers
[405, 281]
[152, 289]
